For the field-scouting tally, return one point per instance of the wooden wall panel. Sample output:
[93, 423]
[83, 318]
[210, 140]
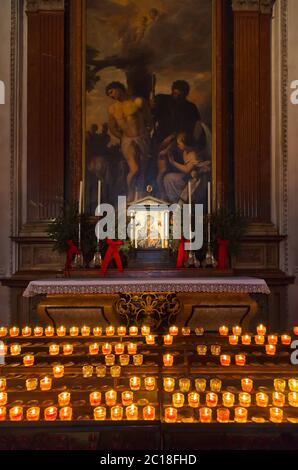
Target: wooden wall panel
[252, 114]
[45, 159]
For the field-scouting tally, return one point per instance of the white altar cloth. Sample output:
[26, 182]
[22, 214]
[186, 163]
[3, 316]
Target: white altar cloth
[243, 285]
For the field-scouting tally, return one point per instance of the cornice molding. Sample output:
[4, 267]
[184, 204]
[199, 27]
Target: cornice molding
[33, 6]
[262, 6]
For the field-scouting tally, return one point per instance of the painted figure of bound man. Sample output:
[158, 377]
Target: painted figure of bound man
[130, 121]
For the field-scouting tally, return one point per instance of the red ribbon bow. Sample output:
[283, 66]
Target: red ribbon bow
[71, 251]
[112, 251]
[182, 253]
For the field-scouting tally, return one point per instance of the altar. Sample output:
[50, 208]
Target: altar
[190, 301]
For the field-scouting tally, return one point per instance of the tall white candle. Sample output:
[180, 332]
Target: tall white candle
[189, 207]
[81, 198]
[209, 198]
[98, 194]
[166, 229]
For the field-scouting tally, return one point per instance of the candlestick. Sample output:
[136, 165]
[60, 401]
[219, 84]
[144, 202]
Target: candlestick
[98, 195]
[209, 197]
[81, 198]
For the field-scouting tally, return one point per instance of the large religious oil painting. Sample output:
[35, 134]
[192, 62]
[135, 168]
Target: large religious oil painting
[148, 100]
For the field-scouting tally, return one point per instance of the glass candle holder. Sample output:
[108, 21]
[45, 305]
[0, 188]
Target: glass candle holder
[100, 413]
[262, 399]
[173, 330]
[14, 331]
[223, 330]
[145, 330]
[295, 330]
[279, 385]
[150, 339]
[261, 330]
[124, 359]
[244, 399]
[50, 413]
[115, 371]
[3, 398]
[33, 413]
[149, 413]
[286, 340]
[205, 414]
[101, 370]
[215, 349]
[278, 399]
[185, 330]
[2, 413]
[240, 415]
[240, 359]
[67, 349]
[3, 331]
[276, 415]
[95, 398]
[178, 399]
[121, 330]
[223, 415]
[138, 359]
[38, 331]
[247, 384]
[119, 348]
[293, 399]
[293, 384]
[168, 384]
[64, 399]
[193, 399]
[106, 348]
[233, 340]
[132, 348]
[270, 349]
[97, 331]
[110, 330]
[133, 330]
[199, 331]
[110, 359]
[61, 331]
[246, 339]
[31, 384]
[259, 339]
[202, 349]
[74, 331]
[127, 398]
[225, 360]
[200, 384]
[211, 399]
[26, 331]
[15, 349]
[117, 413]
[65, 413]
[16, 413]
[49, 331]
[135, 383]
[228, 399]
[168, 360]
[45, 384]
[54, 349]
[85, 330]
[93, 349]
[272, 339]
[132, 412]
[167, 340]
[87, 370]
[111, 398]
[58, 371]
[237, 330]
[170, 414]
[28, 360]
[3, 349]
[184, 384]
[215, 385]
[2, 384]
[150, 383]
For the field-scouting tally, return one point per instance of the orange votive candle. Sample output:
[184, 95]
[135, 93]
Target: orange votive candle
[240, 415]
[193, 399]
[58, 371]
[106, 348]
[150, 339]
[111, 397]
[262, 399]
[33, 413]
[132, 348]
[135, 383]
[117, 413]
[150, 383]
[244, 399]
[168, 340]
[133, 330]
[295, 330]
[3, 331]
[93, 349]
[50, 413]
[223, 415]
[100, 413]
[3, 398]
[276, 415]
[259, 339]
[97, 331]
[26, 331]
[16, 413]
[110, 330]
[145, 330]
[211, 399]
[168, 384]
[149, 413]
[38, 331]
[237, 330]
[28, 360]
[132, 412]
[61, 331]
[240, 359]
[173, 330]
[67, 349]
[168, 360]
[49, 331]
[233, 340]
[45, 384]
[225, 359]
[119, 348]
[85, 330]
[54, 349]
[2, 413]
[286, 339]
[272, 339]
[64, 399]
[121, 330]
[278, 399]
[246, 339]
[95, 398]
[223, 330]
[74, 331]
[261, 330]
[246, 384]
[127, 398]
[2, 384]
[14, 331]
[171, 414]
[205, 414]
[15, 349]
[65, 413]
[270, 349]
